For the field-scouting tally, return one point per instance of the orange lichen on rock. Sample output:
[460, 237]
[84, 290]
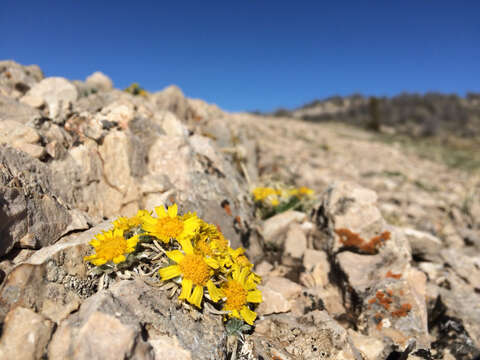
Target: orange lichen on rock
[351, 239]
[402, 311]
[378, 317]
[392, 275]
[372, 246]
[383, 300]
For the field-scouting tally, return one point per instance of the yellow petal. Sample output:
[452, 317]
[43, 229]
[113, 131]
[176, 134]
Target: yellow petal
[175, 255]
[237, 252]
[215, 293]
[190, 229]
[197, 296]
[212, 263]
[186, 246]
[132, 242]
[248, 315]
[117, 232]
[235, 313]
[118, 259]
[252, 281]
[161, 213]
[95, 242]
[186, 289]
[90, 257]
[240, 274]
[169, 272]
[173, 210]
[98, 262]
[254, 296]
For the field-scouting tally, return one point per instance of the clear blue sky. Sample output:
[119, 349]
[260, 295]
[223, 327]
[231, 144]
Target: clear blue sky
[248, 55]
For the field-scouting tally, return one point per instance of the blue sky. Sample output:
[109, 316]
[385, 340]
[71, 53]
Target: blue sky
[252, 54]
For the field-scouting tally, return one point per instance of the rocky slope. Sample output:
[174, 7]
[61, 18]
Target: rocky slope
[385, 266]
[411, 114]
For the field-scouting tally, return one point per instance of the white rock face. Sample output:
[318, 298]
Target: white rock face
[21, 137]
[100, 81]
[57, 92]
[25, 335]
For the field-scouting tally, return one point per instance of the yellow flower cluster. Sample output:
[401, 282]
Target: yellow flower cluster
[270, 196]
[200, 257]
[135, 89]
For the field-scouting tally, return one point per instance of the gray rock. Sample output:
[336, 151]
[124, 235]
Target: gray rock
[53, 280]
[25, 335]
[312, 336]
[423, 245]
[57, 92]
[118, 314]
[31, 207]
[11, 109]
[100, 81]
[21, 137]
[295, 242]
[33, 101]
[172, 99]
[19, 78]
[274, 228]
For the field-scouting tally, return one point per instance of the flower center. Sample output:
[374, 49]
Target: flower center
[112, 247]
[168, 227]
[194, 268]
[236, 295]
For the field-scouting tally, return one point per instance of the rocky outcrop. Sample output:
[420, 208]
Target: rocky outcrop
[385, 266]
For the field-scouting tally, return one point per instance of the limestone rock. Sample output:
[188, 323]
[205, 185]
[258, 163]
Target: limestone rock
[53, 280]
[33, 101]
[117, 314]
[277, 225]
[295, 242]
[172, 99]
[277, 294]
[100, 81]
[57, 92]
[423, 245]
[25, 335]
[16, 111]
[19, 78]
[172, 125]
[312, 336]
[21, 137]
[316, 267]
[32, 205]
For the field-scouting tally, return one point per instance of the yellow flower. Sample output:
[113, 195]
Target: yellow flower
[169, 225]
[237, 257]
[126, 224]
[196, 271]
[210, 241]
[274, 201]
[303, 190]
[111, 246]
[261, 193]
[240, 290]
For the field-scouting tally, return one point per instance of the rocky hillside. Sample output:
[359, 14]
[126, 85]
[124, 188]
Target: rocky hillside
[384, 264]
[409, 114]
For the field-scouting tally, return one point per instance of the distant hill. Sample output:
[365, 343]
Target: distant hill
[410, 114]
